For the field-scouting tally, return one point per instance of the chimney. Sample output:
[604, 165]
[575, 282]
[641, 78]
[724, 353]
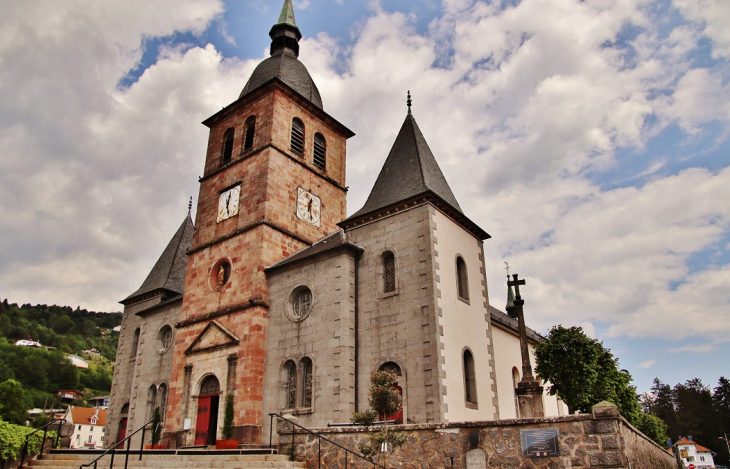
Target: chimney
[96, 414]
[689, 438]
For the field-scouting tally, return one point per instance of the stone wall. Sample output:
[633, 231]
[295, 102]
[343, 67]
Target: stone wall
[602, 439]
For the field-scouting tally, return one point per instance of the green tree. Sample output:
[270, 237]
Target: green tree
[384, 400]
[583, 373]
[228, 418]
[63, 324]
[653, 427]
[12, 400]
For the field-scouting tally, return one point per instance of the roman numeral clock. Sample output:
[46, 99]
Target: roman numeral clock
[309, 207]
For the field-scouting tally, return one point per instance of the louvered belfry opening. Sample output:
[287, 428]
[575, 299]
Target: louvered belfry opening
[227, 146]
[297, 136]
[250, 129]
[320, 151]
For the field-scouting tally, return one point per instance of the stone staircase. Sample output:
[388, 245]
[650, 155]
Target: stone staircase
[167, 459]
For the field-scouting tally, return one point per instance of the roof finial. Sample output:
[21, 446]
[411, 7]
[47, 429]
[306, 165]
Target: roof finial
[506, 268]
[190, 205]
[409, 101]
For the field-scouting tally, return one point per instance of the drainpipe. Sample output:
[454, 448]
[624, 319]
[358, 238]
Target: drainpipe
[357, 328]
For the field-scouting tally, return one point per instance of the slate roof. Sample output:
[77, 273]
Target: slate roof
[410, 170]
[328, 243]
[510, 323]
[283, 63]
[169, 271]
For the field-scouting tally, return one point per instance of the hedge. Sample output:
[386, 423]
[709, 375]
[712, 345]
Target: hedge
[12, 439]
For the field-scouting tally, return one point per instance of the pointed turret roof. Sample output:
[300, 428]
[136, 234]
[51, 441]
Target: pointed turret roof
[168, 274]
[410, 170]
[283, 63]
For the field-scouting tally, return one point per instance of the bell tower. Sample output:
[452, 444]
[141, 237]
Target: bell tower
[273, 184]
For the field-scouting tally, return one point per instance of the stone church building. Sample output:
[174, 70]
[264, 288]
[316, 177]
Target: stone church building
[279, 299]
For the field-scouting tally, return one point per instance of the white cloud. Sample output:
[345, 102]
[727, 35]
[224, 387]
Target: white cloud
[699, 348]
[645, 365]
[715, 18]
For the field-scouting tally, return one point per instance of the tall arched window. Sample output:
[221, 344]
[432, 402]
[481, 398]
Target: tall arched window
[515, 380]
[297, 136]
[135, 343]
[306, 367]
[462, 280]
[290, 369]
[151, 400]
[250, 127]
[470, 379]
[227, 151]
[320, 151]
[388, 260]
[162, 393]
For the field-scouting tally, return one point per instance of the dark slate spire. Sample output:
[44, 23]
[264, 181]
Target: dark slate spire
[410, 170]
[283, 63]
[168, 274]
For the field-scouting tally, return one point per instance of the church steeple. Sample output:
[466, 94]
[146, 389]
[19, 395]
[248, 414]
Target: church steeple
[285, 34]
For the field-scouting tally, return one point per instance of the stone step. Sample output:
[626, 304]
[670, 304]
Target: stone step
[167, 460]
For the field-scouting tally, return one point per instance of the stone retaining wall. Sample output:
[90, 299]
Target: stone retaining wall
[602, 439]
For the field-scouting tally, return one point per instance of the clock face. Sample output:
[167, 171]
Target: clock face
[228, 203]
[309, 207]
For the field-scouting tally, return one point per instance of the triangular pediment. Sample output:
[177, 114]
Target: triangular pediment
[213, 337]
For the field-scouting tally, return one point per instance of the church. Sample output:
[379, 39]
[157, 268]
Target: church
[278, 298]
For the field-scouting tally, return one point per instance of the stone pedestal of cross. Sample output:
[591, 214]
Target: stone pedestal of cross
[529, 392]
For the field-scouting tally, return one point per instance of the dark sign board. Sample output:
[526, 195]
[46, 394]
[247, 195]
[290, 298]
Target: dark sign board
[540, 443]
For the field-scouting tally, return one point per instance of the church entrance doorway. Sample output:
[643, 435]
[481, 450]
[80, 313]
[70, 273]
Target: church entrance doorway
[122, 430]
[207, 421]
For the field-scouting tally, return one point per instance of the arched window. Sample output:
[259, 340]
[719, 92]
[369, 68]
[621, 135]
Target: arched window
[135, 343]
[515, 380]
[210, 385]
[388, 260]
[462, 280]
[227, 152]
[151, 400]
[250, 127]
[470, 380]
[164, 338]
[290, 368]
[306, 367]
[162, 393]
[320, 151]
[297, 136]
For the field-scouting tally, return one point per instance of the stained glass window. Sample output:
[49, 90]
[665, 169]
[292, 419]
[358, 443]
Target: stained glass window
[306, 365]
[291, 385]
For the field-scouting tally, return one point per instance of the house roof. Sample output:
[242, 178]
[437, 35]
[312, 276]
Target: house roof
[169, 271]
[508, 322]
[328, 243]
[687, 441]
[82, 415]
[409, 170]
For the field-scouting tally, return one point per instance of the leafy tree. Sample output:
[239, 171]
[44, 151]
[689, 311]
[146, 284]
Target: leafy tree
[696, 412]
[384, 400]
[721, 398]
[13, 403]
[653, 427]
[584, 373]
[62, 324]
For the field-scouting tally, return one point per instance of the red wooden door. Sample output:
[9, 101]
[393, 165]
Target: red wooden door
[122, 434]
[201, 426]
[398, 414]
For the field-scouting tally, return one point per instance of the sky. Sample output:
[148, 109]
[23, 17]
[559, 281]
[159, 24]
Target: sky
[590, 139]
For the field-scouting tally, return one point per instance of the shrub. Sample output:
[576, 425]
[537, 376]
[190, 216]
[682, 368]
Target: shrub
[12, 439]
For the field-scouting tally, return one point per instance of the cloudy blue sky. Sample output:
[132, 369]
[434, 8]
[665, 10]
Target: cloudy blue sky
[589, 138]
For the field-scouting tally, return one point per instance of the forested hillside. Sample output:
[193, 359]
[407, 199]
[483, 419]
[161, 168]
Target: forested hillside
[41, 372]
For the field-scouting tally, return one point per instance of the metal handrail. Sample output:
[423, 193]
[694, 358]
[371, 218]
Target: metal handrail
[113, 448]
[43, 442]
[319, 441]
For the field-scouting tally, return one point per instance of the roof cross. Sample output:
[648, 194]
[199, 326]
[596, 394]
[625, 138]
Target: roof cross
[516, 283]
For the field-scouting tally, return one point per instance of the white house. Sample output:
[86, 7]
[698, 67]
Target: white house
[88, 426]
[692, 453]
[28, 343]
[77, 361]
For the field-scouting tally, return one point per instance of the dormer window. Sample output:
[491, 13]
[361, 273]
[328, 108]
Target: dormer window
[297, 136]
[93, 421]
[320, 151]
